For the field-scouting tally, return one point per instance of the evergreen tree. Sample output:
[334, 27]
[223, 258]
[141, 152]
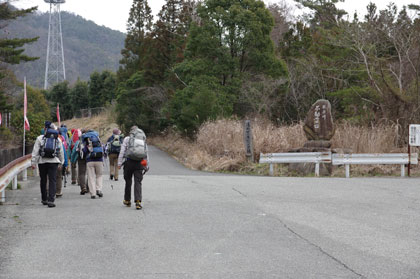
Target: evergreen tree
[324, 12]
[60, 94]
[102, 87]
[95, 87]
[135, 50]
[11, 51]
[169, 39]
[139, 104]
[231, 43]
[109, 83]
[79, 96]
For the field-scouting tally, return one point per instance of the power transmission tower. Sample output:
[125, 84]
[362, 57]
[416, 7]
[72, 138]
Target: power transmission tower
[55, 70]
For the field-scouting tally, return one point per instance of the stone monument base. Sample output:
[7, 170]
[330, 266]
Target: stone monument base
[325, 169]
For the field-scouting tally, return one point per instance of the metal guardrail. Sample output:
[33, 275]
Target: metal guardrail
[375, 159]
[10, 172]
[339, 159]
[298, 157]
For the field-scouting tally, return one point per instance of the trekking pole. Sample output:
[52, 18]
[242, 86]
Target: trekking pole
[63, 173]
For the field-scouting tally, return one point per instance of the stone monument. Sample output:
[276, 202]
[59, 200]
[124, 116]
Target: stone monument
[319, 129]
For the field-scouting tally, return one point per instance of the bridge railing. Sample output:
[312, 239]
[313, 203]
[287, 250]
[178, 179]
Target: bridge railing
[401, 159]
[10, 172]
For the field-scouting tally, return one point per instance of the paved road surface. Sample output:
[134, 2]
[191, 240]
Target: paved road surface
[200, 225]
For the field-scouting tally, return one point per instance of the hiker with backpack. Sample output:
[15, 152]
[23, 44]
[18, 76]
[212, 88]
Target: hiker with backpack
[93, 152]
[133, 156]
[113, 148]
[76, 133]
[78, 158]
[48, 153]
[61, 169]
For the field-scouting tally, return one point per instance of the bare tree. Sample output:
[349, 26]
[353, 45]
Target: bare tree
[282, 14]
[261, 95]
[387, 48]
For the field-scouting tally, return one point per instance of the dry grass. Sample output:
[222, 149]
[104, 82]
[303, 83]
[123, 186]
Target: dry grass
[377, 139]
[219, 145]
[103, 123]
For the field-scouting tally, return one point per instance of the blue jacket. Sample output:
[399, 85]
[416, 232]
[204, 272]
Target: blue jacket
[66, 162]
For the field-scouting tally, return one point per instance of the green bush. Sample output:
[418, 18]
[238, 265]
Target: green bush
[6, 134]
[203, 99]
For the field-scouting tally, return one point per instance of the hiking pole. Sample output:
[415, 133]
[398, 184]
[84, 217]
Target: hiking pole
[63, 173]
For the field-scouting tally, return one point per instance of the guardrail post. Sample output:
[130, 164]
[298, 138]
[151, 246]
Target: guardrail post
[317, 169]
[14, 183]
[25, 175]
[271, 170]
[347, 170]
[3, 196]
[402, 170]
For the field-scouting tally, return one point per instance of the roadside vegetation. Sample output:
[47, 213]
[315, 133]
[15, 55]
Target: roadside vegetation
[219, 146]
[191, 75]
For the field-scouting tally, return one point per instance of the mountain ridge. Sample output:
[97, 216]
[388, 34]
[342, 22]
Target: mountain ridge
[88, 47]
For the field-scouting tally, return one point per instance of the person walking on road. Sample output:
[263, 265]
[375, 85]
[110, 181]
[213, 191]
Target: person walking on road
[134, 157]
[76, 133]
[93, 152]
[62, 169]
[77, 157]
[113, 148]
[48, 154]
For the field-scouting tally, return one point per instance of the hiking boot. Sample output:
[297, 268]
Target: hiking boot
[73, 182]
[99, 193]
[58, 195]
[93, 197]
[83, 192]
[138, 205]
[44, 202]
[116, 179]
[111, 177]
[127, 203]
[51, 204]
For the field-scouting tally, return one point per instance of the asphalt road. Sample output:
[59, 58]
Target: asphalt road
[201, 225]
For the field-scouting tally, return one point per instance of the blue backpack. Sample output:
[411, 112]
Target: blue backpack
[94, 144]
[115, 144]
[50, 144]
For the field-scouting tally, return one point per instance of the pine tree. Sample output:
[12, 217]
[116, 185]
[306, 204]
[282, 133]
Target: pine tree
[11, 51]
[170, 34]
[135, 50]
[230, 44]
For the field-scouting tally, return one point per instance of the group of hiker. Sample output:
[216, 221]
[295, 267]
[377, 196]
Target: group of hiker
[56, 146]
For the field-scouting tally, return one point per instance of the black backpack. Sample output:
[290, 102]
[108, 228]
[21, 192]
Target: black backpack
[50, 144]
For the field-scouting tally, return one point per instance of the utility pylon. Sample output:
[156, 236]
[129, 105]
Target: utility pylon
[55, 70]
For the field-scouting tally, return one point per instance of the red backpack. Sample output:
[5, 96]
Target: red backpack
[75, 137]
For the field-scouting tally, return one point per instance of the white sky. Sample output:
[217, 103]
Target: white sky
[114, 13]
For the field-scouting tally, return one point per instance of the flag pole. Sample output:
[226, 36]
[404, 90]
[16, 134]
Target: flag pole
[25, 174]
[24, 130]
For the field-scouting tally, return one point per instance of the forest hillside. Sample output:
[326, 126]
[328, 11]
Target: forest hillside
[88, 47]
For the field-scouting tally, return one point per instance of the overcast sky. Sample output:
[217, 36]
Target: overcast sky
[114, 13]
